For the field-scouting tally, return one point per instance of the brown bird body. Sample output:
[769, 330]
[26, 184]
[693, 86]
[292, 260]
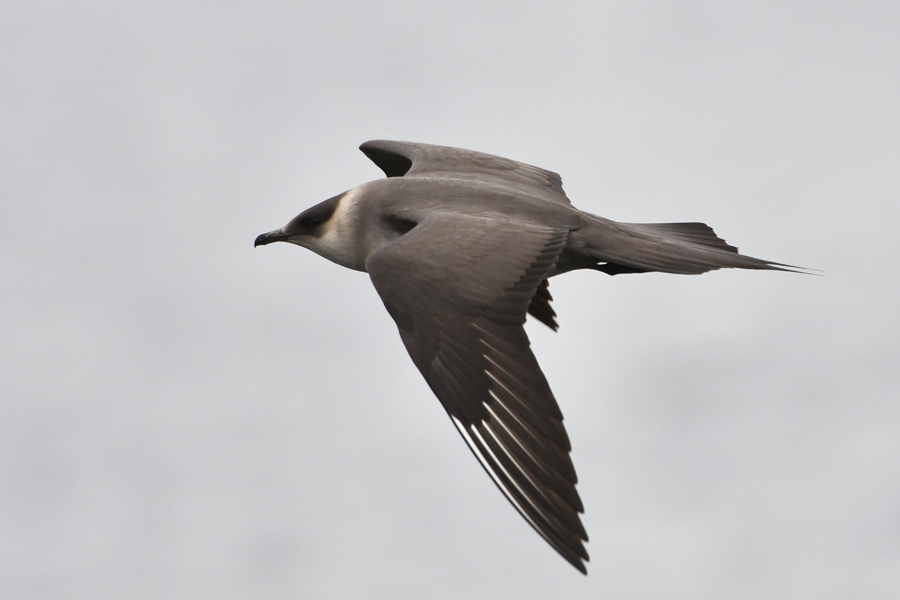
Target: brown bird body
[460, 246]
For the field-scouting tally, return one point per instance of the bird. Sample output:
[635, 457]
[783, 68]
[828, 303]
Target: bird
[460, 246]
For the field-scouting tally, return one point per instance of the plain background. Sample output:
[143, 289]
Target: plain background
[186, 417]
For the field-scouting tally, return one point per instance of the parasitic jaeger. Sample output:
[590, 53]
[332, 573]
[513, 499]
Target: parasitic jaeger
[460, 246]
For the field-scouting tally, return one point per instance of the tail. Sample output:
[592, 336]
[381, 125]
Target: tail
[682, 248]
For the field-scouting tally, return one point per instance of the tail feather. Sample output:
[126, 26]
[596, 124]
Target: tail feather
[695, 233]
[682, 248]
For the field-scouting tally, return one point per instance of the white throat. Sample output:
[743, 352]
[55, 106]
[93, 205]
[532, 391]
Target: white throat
[341, 239]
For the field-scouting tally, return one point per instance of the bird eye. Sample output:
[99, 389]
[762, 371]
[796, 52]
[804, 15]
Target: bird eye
[314, 221]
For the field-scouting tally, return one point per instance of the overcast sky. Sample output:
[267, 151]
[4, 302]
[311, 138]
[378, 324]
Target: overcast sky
[183, 417]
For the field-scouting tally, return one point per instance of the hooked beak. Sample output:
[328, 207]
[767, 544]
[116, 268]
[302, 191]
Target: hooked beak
[273, 236]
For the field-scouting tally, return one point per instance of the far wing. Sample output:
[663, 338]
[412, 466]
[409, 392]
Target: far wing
[458, 288]
[408, 159]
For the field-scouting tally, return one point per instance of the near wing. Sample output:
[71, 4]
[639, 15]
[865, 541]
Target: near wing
[409, 159]
[458, 287]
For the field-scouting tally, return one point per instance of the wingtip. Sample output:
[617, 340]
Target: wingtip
[388, 157]
[579, 563]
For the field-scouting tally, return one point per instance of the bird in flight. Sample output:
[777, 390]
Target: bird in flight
[460, 245]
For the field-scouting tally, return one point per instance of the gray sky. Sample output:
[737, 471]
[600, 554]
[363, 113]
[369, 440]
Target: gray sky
[182, 416]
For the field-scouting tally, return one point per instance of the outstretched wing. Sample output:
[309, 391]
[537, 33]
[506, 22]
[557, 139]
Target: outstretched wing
[408, 159]
[458, 288]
